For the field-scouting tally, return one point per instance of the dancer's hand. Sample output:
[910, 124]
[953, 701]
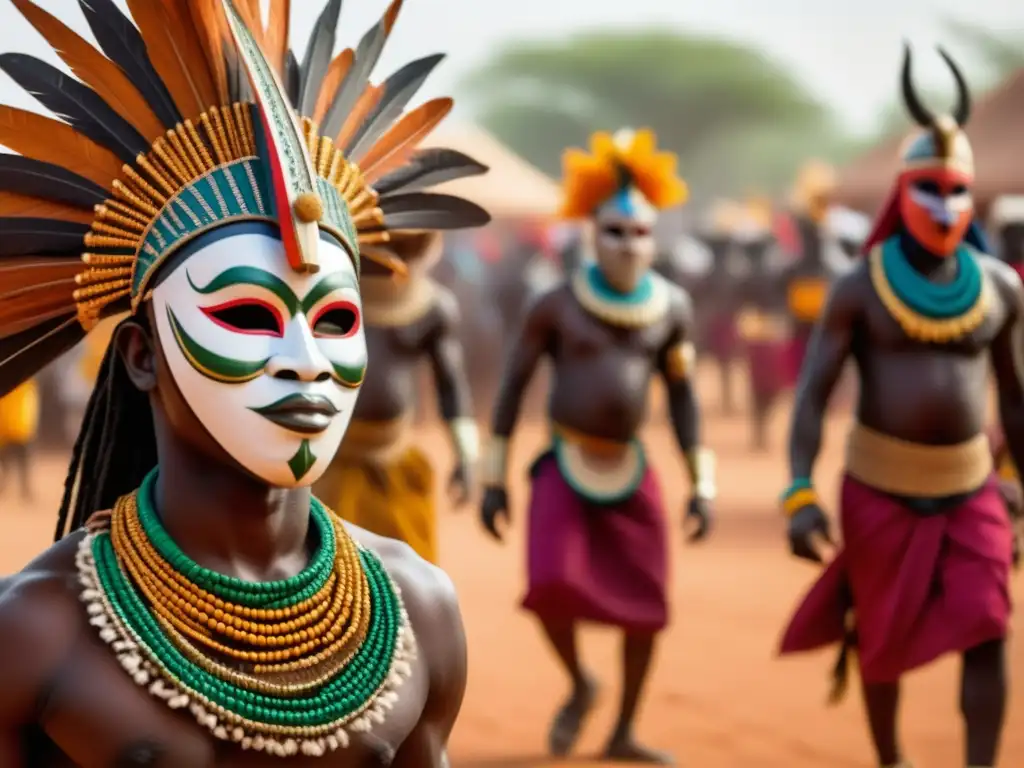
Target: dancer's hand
[460, 485]
[807, 524]
[494, 508]
[699, 519]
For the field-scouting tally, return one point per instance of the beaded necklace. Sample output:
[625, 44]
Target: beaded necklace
[285, 667]
[927, 311]
[641, 308]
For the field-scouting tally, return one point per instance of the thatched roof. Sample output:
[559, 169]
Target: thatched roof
[996, 131]
[511, 189]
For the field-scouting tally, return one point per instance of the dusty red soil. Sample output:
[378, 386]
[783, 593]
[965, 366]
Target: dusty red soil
[718, 698]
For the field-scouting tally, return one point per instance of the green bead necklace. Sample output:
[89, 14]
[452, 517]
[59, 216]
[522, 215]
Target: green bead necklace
[300, 719]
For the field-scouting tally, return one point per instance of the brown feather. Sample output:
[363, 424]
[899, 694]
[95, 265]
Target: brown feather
[400, 141]
[364, 105]
[332, 81]
[95, 70]
[13, 204]
[176, 54]
[25, 323]
[251, 13]
[391, 14]
[32, 291]
[51, 141]
[275, 39]
[211, 26]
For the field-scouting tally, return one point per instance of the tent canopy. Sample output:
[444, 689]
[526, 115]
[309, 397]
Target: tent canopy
[512, 188]
[996, 131]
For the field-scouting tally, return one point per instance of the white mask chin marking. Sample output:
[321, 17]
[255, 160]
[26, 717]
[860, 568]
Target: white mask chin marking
[268, 359]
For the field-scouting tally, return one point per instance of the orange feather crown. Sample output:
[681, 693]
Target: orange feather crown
[187, 115]
[627, 159]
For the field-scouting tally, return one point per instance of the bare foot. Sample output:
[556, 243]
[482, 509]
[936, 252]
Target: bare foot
[625, 750]
[565, 729]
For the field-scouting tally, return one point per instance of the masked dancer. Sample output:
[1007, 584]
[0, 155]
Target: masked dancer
[762, 324]
[597, 526]
[379, 480]
[200, 607]
[925, 562]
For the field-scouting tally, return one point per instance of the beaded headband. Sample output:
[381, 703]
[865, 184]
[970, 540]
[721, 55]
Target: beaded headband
[196, 116]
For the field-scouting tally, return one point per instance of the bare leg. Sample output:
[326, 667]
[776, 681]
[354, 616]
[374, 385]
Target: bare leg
[725, 379]
[983, 701]
[565, 729]
[638, 650]
[761, 406]
[882, 702]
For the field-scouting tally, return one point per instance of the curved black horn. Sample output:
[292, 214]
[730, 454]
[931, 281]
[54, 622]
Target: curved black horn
[963, 105]
[917, 110]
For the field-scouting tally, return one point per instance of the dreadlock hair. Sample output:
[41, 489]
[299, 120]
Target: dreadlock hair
[116, 445]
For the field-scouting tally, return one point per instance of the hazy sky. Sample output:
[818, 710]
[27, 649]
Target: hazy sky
[847, 50]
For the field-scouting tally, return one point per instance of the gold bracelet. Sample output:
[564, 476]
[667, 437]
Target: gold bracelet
[466, 438]
[494, 467]
[702, 465]
[797, 500]
[680, 361]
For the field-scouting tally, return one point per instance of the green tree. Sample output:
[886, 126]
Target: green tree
[694, 91]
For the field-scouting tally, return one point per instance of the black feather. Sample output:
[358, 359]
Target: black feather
[24, 236]
[356, 79]
[318, 56]
[24, 354]
[426, 210]
[292, 78]
[398, 92]
[123, 45]
[47, 181]
[428, 168]
[76, 104]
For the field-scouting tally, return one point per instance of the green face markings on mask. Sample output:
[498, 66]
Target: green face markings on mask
[211, 365]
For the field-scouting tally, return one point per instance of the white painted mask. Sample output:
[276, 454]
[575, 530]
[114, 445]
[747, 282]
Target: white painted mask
[624, 242]
[270, 360]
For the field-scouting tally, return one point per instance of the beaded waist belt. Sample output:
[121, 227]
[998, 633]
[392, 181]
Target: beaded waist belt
[902, 468]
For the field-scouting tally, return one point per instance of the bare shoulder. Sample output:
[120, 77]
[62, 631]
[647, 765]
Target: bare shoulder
[445, 310]
[546, 306]
[680, 304]
[430, 599]
[1004, 278]
[41, 620]
[851, 289]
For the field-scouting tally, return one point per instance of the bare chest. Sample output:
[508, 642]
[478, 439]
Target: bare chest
[583, 338]
[96, 716]
[883, 333]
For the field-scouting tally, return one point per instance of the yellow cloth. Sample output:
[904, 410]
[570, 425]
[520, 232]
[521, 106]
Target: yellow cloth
[19, 414]
[394, 498]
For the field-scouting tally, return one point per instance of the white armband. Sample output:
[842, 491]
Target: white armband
[466, 438]
[494, 467]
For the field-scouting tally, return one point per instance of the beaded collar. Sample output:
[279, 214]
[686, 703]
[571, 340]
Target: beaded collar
[645, 306]
[928, 311]
[285, 667]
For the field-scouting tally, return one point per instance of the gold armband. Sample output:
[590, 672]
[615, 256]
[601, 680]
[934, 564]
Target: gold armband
[494, 467]
[702, 464]
[680, 360]
[466, 438]
[798, 499]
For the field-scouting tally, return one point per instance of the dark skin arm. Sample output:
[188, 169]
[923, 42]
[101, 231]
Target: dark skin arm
[829, 348]
[531, 342]
[684, 412]
[447, 361]
[442, 642]
[1007, 356]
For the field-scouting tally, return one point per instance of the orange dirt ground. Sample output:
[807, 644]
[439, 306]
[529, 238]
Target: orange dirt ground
[718, 697]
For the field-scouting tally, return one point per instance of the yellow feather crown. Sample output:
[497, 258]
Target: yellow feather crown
[589, 179]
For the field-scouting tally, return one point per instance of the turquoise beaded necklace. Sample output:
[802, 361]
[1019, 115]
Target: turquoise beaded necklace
[933, 300]
[312, 722]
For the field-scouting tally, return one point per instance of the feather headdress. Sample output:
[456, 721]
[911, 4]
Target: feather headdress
[189, 115]
[616, 162]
